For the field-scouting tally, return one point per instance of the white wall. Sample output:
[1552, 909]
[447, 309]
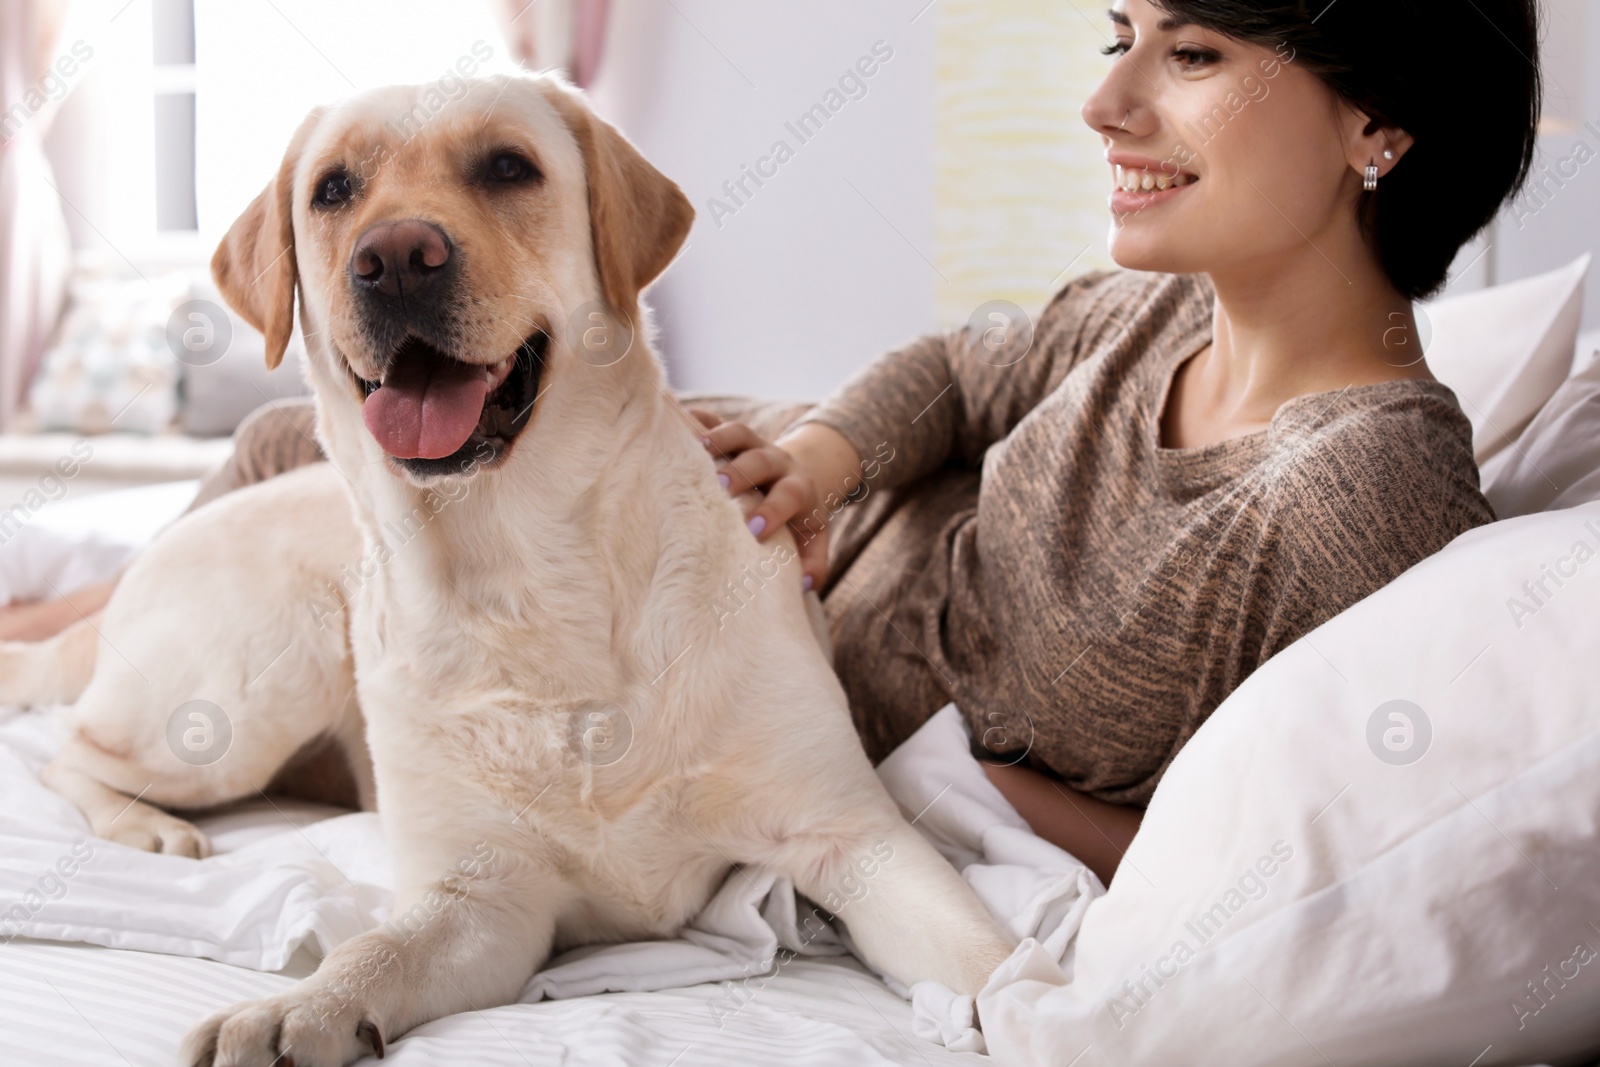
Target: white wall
[1557, 218]
[810, 278]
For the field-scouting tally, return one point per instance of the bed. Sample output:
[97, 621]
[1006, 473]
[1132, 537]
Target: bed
[1427, 903]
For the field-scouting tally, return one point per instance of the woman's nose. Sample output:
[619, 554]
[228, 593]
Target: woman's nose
[1110, 109]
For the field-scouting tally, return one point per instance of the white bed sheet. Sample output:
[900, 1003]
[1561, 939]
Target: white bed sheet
[140, 946]
[86, 1006]
[74, 541]
[135, 940]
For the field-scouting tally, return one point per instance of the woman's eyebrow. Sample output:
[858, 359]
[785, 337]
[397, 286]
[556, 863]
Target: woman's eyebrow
[1171, 22]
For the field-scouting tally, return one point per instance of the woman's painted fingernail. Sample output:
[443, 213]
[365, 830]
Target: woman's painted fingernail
[706, 442]
[758, 524]
[806, 583]
[723, 478]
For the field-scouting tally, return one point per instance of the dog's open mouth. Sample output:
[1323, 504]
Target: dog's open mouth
[438, 414]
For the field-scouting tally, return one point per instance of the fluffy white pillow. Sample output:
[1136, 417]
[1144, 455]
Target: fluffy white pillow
[1506, 349]
[1555, 463]
[1380, 850]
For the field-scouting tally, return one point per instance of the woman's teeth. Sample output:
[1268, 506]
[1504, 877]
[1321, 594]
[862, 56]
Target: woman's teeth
[1134, 180]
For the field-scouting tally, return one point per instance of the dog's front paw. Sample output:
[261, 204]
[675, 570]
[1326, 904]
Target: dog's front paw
[302, 1028]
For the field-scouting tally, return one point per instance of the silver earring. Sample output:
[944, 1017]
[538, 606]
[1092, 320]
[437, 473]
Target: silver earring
[1371, 180]
[1388, 153]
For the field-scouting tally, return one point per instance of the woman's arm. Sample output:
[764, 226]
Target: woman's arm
[942, 399]
[945, 398]
[1095, 832]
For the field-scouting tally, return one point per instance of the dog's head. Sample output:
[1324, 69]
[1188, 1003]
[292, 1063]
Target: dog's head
[441, 248]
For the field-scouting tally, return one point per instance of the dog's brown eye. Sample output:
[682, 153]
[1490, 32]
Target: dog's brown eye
[332, 190]
[510, 167]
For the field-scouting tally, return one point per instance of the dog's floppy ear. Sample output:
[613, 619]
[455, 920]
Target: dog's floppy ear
[638, 216]
[254, 266]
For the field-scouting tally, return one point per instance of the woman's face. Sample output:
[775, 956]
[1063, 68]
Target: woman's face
[1255, 150]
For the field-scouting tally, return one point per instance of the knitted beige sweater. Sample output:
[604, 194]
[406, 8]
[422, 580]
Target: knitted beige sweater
[1094, 596]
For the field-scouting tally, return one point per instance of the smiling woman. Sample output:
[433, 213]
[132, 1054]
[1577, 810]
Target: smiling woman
[1366, 81]
[1092, 533]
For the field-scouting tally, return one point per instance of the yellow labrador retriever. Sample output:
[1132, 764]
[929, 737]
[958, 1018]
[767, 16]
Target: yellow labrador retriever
[571, 739]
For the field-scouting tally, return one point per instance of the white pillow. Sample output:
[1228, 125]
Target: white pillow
[1555, 463]
[1506, 349]
[1343, 906]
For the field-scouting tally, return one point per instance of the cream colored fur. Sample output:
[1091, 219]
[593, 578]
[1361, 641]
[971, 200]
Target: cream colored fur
[590, 566]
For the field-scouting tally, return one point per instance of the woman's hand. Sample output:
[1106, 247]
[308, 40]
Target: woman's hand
[795, 475]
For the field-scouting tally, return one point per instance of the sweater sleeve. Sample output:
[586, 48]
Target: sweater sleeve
[945, 398]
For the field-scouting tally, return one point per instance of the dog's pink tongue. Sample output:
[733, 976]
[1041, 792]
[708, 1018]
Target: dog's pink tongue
[426, 409]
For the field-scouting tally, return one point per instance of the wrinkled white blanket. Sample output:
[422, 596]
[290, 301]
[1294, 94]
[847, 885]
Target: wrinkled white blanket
[287, 875]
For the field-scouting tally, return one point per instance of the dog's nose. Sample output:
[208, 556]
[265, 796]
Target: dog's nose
[400, 259]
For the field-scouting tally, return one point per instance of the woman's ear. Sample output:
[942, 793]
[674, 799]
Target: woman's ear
[1367, 139]
[254, 266]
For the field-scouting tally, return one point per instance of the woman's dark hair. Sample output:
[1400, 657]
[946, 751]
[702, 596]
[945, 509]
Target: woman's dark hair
[1462, 79]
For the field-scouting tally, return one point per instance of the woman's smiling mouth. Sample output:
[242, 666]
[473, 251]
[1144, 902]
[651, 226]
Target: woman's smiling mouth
[1136, 187]
[1140, 181]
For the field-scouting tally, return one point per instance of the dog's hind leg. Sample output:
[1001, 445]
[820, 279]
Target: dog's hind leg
[53, 671]
[119, 817]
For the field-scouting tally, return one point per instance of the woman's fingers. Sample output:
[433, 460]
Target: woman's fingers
[783, 501]
[756, 469]
[809, 523]
[813, 557]
[790, 499]
[704, 417]
[731, 438]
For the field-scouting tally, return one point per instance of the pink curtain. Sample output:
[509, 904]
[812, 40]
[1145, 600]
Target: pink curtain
[569, 34]
[35, 246]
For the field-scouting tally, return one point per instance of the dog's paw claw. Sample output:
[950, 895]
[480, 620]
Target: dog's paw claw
[153, 830]
[283, 1031]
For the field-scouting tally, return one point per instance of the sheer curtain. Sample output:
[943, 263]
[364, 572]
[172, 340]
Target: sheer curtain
[569, 34]
[35, 247]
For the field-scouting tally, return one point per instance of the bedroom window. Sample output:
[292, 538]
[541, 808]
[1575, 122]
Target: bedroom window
[172, 30]
[183, 107]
